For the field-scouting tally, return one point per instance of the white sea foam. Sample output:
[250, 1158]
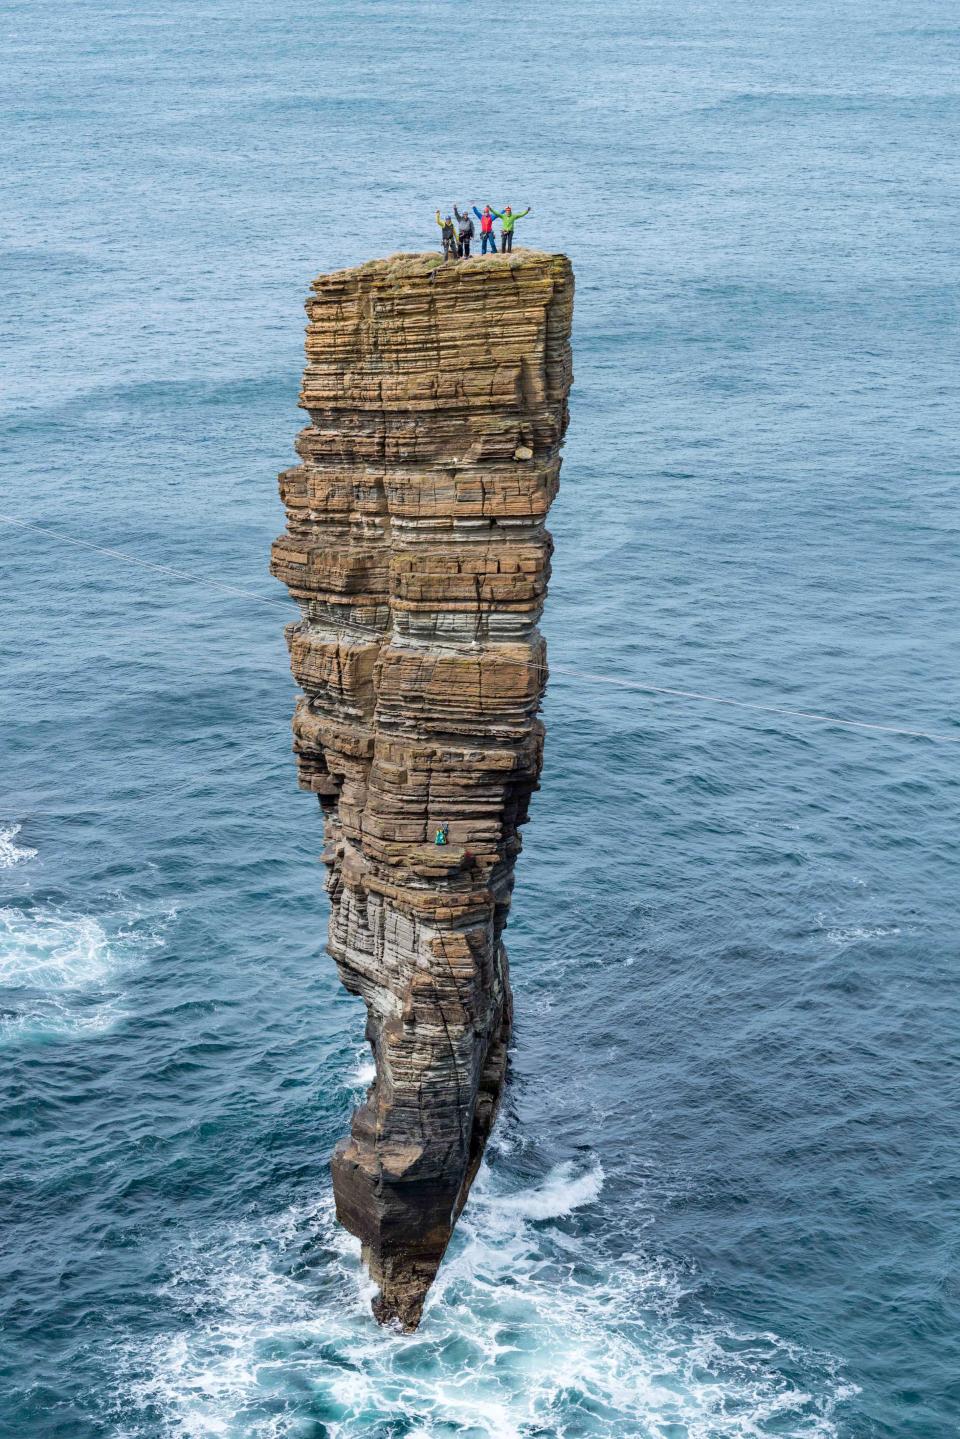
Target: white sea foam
[844, 935]
[363, 1072]
[12, 853]
[528, 1331]
[856, 934]
[60, 972]
[561, 1192]
[46, 951]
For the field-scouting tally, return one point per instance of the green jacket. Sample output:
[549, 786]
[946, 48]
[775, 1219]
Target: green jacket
[510, 220]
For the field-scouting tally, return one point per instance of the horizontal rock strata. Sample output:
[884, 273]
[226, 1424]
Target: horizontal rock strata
[416, 548]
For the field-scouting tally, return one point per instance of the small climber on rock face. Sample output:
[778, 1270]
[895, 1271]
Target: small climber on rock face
[442, 833]
[449, 237]
[486, 229]
[509, 219]
[465, 233]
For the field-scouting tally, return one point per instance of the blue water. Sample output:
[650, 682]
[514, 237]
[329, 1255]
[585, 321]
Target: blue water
[723, 1196]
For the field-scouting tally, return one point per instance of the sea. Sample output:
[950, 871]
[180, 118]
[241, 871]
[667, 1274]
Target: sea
[722, 1200]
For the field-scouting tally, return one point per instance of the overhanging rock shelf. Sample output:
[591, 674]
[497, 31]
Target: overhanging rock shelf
[416, 549]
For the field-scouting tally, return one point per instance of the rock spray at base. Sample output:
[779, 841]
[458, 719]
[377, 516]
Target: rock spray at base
[416, 548]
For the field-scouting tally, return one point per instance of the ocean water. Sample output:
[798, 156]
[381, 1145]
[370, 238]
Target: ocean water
[722, 1199]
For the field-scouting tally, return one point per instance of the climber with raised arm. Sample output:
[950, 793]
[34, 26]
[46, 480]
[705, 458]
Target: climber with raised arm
[486, 229]
[465, 233]
[508, 219]
[449, 237]
[443, 831]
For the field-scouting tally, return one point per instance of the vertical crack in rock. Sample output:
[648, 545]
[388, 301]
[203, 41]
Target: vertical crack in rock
[416, 548]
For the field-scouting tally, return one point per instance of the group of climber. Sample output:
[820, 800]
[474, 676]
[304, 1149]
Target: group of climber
[456, 238]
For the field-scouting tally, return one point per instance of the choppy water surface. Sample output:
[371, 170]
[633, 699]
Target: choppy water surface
[722, 1199]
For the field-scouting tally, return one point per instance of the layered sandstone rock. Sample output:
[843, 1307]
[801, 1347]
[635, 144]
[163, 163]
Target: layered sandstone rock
[416, 548]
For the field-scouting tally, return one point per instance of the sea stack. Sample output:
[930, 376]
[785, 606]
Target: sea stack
[417, 550]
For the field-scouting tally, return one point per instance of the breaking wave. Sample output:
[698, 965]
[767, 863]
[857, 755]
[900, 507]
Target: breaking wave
[60, 973]
[527, 1332]
[362, 1073]
[561, 1193]
[12, 853]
